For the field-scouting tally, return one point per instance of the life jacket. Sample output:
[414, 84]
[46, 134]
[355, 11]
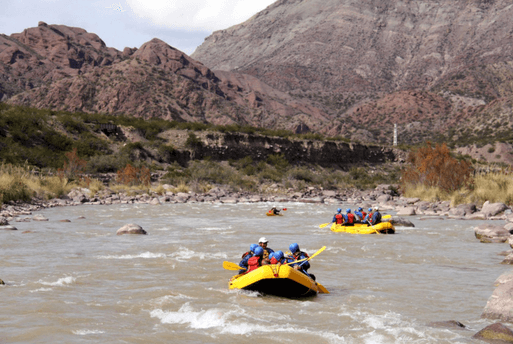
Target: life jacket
[267, 251]
[254, 263]
[350, 218]
[377, 219]
[358, 216]
[276, 261]
[369, 217]
[339, 218]
[245, 254]
[363, 215]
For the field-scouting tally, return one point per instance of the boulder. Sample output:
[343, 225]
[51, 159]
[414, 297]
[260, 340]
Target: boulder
[500, 304]
[492, 209]
[406, 211]
[131, 229]
[3, 221]
[491, 233]
[155, 201]
[510, 240]
[508, 259]
[8, 228]
[398, 221]
[457, 212]
[39, 217]
[495, 333]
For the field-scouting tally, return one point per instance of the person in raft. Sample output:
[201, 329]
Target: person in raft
[368, 217]
[349, 218]
[297, 254]
[245, 257]
[359, 215]
[262, 242]
[275, 210]
[278, 258]
[338, 218]
[376, 217]
[256, 261]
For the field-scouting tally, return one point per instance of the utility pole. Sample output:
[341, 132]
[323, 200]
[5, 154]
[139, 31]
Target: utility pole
[395, 134]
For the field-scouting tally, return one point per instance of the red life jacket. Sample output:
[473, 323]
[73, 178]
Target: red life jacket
[274, 261]
[369, 218]
[245, 254]
[254, 263]
[363, 215]
[340, 219]
[350, 218]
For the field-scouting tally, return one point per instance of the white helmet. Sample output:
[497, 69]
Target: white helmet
[376, 208]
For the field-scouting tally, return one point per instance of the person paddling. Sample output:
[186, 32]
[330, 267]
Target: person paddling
[278, 258]
[275, 210]
[376, 217]
[338, 218]
[245, 257]
[349, 218]
[297, 254]
[256, 261]
[262, 242]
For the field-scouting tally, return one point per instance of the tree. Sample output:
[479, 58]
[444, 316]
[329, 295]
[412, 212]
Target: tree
[436, 167]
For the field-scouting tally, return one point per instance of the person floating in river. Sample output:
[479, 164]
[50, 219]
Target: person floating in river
[297, 254]
[262, 242]
[256, 261]
[376, 217]
[245, 257]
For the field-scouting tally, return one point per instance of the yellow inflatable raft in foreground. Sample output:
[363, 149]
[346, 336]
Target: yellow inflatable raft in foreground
[363, 228]
[277, 280]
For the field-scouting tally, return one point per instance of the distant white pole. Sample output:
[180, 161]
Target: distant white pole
[395, 134]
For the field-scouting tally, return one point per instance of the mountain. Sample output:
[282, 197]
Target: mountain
[433, 67]
[67, 68]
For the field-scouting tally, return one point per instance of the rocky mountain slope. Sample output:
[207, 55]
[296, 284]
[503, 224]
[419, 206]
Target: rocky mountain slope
[66, 68]
[355, 60]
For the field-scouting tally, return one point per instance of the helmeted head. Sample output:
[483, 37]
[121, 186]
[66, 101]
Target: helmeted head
[278, 255]
[339, 210]
[348, 210]
[271, 255]
[370, 209]
[376, 208]
[262, 240]
[259, 251]
[252, 247]
[294, 248]
[360, 208]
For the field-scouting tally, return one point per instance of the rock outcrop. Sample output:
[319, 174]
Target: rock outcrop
[500, 304]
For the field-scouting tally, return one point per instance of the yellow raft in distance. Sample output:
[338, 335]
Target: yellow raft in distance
[277, 280]
[272, 214]
[363, 228]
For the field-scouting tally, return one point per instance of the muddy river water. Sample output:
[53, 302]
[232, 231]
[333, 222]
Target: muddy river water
[78, 282]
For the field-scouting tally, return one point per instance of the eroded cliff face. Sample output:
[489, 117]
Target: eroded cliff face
[363, 46]
[225, 146]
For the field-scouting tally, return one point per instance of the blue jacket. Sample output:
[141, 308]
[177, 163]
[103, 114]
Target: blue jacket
[244, 263]
[376, 218]
[360, 216]
[305, 265]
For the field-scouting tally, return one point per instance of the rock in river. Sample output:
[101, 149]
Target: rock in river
[131, 228]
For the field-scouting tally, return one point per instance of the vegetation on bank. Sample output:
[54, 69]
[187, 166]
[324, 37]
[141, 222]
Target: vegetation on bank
[46, 153]
[433, 174]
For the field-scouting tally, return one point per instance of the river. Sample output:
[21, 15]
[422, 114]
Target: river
[78, 282]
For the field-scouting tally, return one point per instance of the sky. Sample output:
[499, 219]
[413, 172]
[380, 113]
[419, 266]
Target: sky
[183, 24]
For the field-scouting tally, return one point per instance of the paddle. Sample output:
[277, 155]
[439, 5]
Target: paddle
[325, 224]
[232, 266]
[304, 260]
[373, 227]
[323, 290]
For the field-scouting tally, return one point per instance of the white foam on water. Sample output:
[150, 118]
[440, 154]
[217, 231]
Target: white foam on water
[41, 289]
[186, 315]
[86, 332]
[60, 282]
[145, 255]
[183, 254]
[215, 228]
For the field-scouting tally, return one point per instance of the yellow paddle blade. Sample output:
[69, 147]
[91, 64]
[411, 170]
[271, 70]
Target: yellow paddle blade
[325, 224]
[313, 255]
[231, 266]
[323, 290]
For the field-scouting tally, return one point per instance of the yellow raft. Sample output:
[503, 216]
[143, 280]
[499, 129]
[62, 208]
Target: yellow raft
[273, 214]
[363, 228]
[277, 280]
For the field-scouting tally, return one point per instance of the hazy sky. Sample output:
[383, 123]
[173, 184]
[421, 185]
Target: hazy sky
[183, 24]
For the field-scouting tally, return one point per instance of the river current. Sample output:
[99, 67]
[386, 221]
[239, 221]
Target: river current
[78, 282]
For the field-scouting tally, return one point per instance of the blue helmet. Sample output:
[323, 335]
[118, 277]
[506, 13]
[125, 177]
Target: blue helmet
[360, 209]
[348, 210]
[339, 210]
[252, 247]
[278, 255]
[294, 248]
[370, 209]
[259, 251]
[272, 255]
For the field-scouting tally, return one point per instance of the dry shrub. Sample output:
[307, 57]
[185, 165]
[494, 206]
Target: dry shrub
[425, 193]
[74, 167]
[131, 175]
[436, 167]
[493, 187]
